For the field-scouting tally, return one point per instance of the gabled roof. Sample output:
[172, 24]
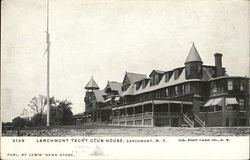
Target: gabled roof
[193, 55]
[133, 77]
[91, 84]
[114, 86]
[99, 95]
[156, 72]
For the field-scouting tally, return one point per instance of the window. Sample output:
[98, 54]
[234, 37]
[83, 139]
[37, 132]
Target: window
[210, 109]
[187, 88]
[230, 85]
[199, 69]
[151, 81]
[232, 108]
[242, 85]
[167, 77]
[167, 93]
[203, 109]
[176, 74]
[143, 83]
[183, 89]
[188, 71]
[213, 88]
[157, 79]
[157, 94]
[242, 104]
[218, 108]
[138, 85]
[176, 90]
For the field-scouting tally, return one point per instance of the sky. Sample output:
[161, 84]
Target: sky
[109, 37]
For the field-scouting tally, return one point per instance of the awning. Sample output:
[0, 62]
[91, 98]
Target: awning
[217, 101]
[117, 98]
[231, 101]
[214, 102]
[208, 103]
[107, 100]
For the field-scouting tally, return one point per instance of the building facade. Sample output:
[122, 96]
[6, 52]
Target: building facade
[192, 95]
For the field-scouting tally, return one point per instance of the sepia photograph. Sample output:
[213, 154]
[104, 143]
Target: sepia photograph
[89, 77]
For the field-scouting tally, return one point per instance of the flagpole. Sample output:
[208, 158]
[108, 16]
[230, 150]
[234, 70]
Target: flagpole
[48, 63]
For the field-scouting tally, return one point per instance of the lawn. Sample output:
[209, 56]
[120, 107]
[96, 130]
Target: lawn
[107, 130]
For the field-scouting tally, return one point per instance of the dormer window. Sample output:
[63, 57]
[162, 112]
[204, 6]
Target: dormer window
[154, 80]
[125, 87]
[151, 81]
[176, 74]
[138, 85]
[167, 77]
[157, 79]
[143, 83]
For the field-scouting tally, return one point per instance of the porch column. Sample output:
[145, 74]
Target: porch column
[125, 116]
[153, 111]
[223, 110]
[118, 116]
[181, 108]
[133, 115]
[100, 115]
[142, 113]
[97, 116]
[180, 122]
[169, 119]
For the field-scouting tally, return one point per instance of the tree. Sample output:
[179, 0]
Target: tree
[61, 114]
[19, 122]
[37, 104]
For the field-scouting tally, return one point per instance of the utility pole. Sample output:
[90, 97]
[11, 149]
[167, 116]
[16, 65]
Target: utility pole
[48, 64]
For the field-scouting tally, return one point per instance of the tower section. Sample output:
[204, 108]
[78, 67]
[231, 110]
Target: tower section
[193, 64]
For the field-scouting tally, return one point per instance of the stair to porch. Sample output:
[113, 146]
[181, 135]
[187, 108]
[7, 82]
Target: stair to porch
[199, 121]
[188, 121]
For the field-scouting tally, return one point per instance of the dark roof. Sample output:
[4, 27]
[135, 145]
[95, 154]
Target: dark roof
[114, 86]
[133, 77]
[99, 95]
[156, 72]
[207, 74]
[91, 84]
[193, 55]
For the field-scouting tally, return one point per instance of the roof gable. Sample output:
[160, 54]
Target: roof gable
[133, 77]
[114, 86]
[154, 72]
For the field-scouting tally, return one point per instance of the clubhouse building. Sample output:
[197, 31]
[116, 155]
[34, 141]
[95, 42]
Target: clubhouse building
[194, 95]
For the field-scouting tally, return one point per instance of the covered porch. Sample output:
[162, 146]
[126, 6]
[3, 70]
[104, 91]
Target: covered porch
[152, 113]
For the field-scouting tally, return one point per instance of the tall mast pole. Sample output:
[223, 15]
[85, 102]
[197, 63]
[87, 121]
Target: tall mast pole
[48, 64]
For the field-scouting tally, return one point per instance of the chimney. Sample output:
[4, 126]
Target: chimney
[218, 64]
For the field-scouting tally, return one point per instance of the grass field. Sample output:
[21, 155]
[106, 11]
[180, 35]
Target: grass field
[106, 131]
